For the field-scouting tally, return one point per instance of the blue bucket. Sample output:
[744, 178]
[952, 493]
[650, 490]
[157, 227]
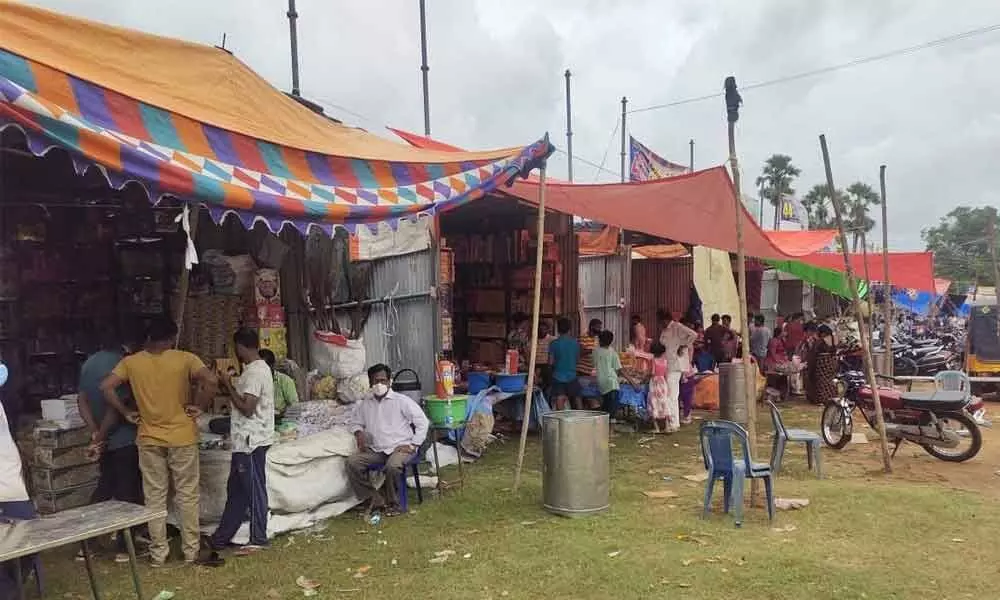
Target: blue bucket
[512, 384]
[478, 381]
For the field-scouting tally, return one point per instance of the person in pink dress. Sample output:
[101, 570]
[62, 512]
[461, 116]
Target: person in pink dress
[659, 392]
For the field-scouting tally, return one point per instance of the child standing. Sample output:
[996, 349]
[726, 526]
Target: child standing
[659, 391]
[687, 383]
[609, 368]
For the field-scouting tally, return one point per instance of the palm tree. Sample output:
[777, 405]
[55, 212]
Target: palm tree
[775, 181]
[858, 200]
[818, 207]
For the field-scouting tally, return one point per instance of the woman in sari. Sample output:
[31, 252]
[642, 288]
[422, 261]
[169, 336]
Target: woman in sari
[822, 368]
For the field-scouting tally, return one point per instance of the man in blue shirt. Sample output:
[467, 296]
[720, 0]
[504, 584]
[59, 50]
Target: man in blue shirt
[110, 433]
[564, 353]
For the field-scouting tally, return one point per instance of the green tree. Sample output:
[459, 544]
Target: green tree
[858, 200]
[960, 243]
[818, 207]
[775, 181]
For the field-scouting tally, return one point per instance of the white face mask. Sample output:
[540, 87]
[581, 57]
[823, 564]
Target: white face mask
[380, 390]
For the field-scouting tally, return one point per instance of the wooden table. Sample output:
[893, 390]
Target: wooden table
[24, 538]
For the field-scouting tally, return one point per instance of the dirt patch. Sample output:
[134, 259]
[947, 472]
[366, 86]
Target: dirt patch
[913, 464]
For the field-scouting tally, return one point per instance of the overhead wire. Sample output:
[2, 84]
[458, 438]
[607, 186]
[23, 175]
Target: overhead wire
[832, 68]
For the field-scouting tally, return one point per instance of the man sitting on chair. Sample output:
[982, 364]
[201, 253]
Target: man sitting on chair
[389, 428]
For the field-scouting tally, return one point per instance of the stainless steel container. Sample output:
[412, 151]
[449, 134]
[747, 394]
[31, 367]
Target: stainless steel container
[732, 392]
[576, 463]
[882, 365]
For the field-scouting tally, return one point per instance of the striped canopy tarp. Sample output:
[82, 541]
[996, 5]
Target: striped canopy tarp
[226, 159]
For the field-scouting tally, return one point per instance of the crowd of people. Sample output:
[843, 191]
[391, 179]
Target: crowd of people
[585, 372]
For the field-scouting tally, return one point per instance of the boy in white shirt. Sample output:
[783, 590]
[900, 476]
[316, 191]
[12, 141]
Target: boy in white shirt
[252, 433]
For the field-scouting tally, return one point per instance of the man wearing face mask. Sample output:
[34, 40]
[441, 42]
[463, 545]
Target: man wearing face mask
[389, 427]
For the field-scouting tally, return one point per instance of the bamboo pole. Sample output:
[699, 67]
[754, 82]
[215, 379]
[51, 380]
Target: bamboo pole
[536, 304]
[184, 280]
[996, 263]
[852, 283]
[733, 101]
[886, 286]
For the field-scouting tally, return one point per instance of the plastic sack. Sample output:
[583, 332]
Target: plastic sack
[335, 355]
[352, 389]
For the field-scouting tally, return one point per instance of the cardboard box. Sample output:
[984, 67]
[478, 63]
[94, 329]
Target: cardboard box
[266, 287]
[56, 480]
[275, 339]
[52, 502]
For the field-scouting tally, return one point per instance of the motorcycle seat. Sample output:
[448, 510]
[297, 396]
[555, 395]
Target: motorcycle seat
[943, 400]
[890, 398]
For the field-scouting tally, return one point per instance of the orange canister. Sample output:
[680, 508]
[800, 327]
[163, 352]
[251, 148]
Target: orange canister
[513, 362]
[444, 379]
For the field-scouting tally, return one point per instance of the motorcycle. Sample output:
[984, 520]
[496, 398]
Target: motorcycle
[940, 422]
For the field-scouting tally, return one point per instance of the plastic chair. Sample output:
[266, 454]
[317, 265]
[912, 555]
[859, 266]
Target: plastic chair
[783, 435]
[413, 463]
[717, 450]
[953, 381]
[24, 511]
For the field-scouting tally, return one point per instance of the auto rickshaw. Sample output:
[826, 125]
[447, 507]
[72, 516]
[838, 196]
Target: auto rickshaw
[982, 356]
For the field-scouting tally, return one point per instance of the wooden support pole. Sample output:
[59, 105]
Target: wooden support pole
[184, 279]
[996, 263]
[536, 304]
[733, 101]
[886, 286]
[852, 283]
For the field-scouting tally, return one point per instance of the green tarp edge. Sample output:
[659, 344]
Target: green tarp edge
[832, 281]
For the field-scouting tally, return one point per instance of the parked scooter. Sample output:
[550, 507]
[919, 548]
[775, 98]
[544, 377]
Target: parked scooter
[939, 422]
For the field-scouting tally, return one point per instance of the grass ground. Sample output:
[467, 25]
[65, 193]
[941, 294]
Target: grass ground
[863, 535]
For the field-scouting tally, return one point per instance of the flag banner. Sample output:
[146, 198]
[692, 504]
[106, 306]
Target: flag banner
[793, 211]
[646, 165]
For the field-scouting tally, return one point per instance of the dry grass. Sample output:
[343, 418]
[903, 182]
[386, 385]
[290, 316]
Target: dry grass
[862, 536]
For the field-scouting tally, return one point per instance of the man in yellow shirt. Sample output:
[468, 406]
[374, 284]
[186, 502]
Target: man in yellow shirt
[161, 379]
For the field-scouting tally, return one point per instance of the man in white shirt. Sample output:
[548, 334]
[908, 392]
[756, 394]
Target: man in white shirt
[389, 428]
[14, 501]
[251, 434]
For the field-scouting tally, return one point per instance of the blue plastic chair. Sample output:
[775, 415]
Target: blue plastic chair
[783, 435]
[717, 450]
[953, 381]
[413, 463]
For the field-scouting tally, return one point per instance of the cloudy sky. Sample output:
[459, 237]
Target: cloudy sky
[496, 79]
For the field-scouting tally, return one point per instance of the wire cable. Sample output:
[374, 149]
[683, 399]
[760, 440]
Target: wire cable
[832, 68]
[607, 149]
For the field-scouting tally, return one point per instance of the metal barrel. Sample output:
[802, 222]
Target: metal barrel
[576, 464]
[732, 392]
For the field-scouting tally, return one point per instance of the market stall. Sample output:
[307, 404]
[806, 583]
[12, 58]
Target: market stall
[133, 119]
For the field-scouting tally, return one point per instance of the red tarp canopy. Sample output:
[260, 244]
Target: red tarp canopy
[696, 208]
[906, 269]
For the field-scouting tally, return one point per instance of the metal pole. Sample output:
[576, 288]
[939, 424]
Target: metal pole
[536, 309]
[569, 128]
[886, 286]
[852, 283]
[624, 105]
[733, 102]
[294, 37]
[425, 69]
[691, 157]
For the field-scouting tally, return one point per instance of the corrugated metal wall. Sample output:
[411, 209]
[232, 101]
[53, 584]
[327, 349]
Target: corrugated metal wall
[604, 288]
[660, 283]
[569, 253]
[400, 334]
[789, 296]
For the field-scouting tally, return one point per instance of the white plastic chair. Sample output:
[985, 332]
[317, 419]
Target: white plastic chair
[953, 381]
